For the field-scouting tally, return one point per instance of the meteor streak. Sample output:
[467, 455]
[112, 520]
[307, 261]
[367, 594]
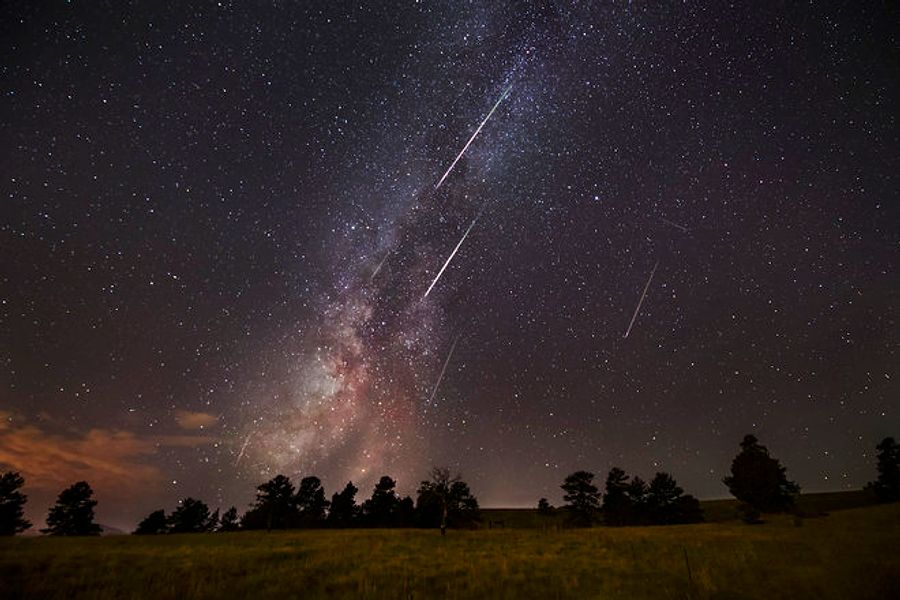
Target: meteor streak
[452, 254]
[243, 448]
[378, 268]
[474, 135]
[443, 370]
[641, 301]
[673, 224]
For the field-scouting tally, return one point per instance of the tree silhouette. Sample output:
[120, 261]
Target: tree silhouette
[12, 504]
[153, 524]
[687, 510]
[617, 505]
[445, 501]
[381, 510]
[887, 486]
[661, 498]
[582, 498]
[310, 501]
[545, 508]
[213, 523]
[667, 503]
[344, 511]
[637, 492]
[191, 516]
[73, 513]
[462, 505]
[229, 521]
[275, 506]
[759, 481]
[406, 512]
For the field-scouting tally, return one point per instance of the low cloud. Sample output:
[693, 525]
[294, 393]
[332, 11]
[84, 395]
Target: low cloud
[188, 419]
[115, 462]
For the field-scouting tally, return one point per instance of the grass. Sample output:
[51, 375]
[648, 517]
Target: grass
[849, 553]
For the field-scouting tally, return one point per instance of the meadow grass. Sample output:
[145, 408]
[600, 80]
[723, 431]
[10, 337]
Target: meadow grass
[847, 554]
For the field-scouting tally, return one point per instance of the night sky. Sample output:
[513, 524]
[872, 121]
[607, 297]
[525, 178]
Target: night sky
[219, 222]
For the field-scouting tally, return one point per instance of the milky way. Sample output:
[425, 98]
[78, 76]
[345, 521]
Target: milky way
[221, 221]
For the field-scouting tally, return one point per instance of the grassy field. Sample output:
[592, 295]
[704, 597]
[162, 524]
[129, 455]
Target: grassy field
[847, 554]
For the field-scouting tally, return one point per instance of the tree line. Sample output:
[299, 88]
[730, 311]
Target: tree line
[756, 479]
[441, 501]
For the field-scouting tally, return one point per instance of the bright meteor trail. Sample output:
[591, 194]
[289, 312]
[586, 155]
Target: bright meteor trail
[641, 301]
[474, 135]
[243, 449]
[452, 254]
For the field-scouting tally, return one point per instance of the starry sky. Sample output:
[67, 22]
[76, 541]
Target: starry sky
[219, 222]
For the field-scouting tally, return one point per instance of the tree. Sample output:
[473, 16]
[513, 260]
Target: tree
[759, 481]
[637, 492]
[381, 510]
[687, 510]
[192, 516]
[582, 498]
[661, 498]
[73, 513]
[153, 524]
[275, 506]
[344, 511]
[667, 503]
[617, 505]
[462, 506]
[406, 512]
[213, 523]
[229, 521]
[887, 486]
[446, 501]
[310, 501]
[12, 504]
[545, 508]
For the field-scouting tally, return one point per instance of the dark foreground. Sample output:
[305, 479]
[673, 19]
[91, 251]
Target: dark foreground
[847, 554]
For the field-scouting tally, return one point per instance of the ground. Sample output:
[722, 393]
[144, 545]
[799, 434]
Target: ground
[846, 554]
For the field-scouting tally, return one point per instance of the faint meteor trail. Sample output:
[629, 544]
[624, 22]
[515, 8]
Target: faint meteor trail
[452, 254]
[641, 301]
[243, 448]
[378, 268]
[474, 135]
[673, 224]
[440, 378]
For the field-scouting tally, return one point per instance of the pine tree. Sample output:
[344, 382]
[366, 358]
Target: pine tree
[617, 505]
[275, 506]
[192, 516]
[229, 521]
[545, 508]
[343, 511]
[153, 524]
[582, 498]
[311, 502]
[759, 481]
[887, 486]
[381, 509]
[12, 504]
[637, 510]
[73, 513]
[667, 503]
